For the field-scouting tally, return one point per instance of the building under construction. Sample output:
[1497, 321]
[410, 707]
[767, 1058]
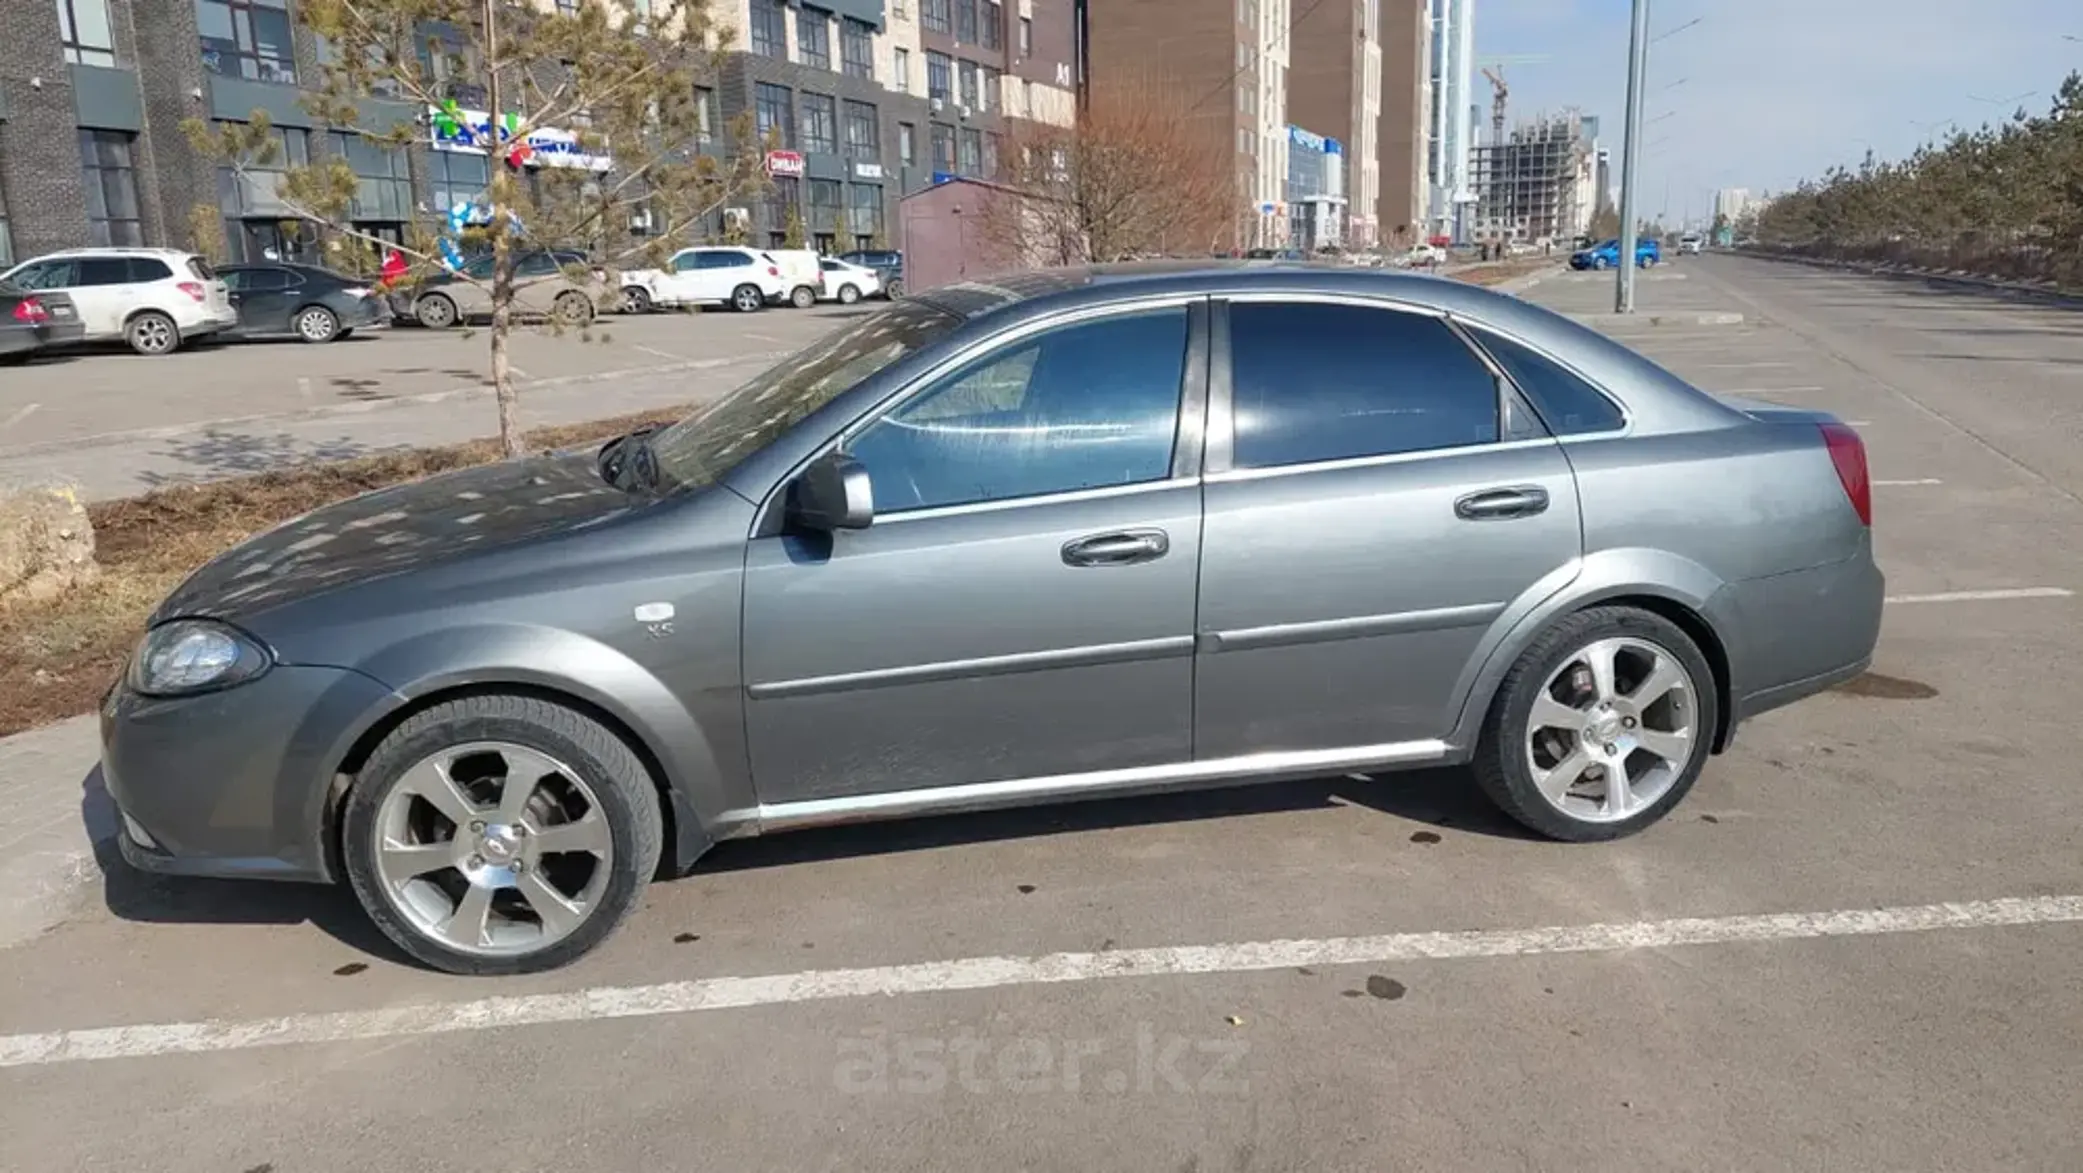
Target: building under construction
[1539, 182]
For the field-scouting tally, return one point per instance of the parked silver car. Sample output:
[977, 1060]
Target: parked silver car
[1063, 536]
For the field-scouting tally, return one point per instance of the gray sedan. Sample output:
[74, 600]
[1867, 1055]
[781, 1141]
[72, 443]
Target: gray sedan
[1062, 536]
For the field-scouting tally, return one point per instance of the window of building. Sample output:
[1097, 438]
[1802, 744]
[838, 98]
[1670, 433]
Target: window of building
[247, 38]
[6, 235]
[1086, 406]
[457, 178]
[383, 193]
[450, 62]
[786, 195]
[856, 49]
[813, 38]
[827, 213]
[866, 217]
[1026, 36]
[900, 69]
[863, 138]
[940, 75]
[769, 29]
[250, 199]
[907, 149]
[943, 148]
[1318, 381]
[972, 151]
[820, 123]
[933, 16]
[990, 155]
[966, 71]
[704, 114]
[1569, 405]
[110, 171]
[965, 21]
[83, 30]
[994, 24]
[773, 114]
[987, 91]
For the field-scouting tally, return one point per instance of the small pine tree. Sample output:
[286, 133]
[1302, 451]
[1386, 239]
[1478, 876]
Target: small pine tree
[792, 229]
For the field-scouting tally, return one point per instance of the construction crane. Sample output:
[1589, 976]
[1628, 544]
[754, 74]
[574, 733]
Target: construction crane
[1493, 69]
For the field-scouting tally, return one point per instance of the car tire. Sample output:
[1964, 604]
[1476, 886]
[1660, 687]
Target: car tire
[802, 297]
[893, 290]
[572, 308]
[315, 323]
[406, 903]
[152, 333]
[849, 294]
[346, 334]
[435, 311]
[636, 300]
[747, 299]
[1521, 746]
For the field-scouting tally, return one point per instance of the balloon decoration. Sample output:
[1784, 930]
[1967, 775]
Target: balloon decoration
[451, 256]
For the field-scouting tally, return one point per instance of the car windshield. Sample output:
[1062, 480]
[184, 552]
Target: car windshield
[701, 448]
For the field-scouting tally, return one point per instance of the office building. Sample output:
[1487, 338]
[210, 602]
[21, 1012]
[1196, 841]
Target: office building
[1451, 139]
[1315, 190]
[1731, 203]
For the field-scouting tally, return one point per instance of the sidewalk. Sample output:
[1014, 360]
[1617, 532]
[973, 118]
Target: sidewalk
[47, 836]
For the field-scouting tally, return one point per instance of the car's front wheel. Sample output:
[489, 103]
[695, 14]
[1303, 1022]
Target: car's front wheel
[1600, 727]
[436, 312]
[500, 835]
[802, 297]
[636, 299]
[849, 294]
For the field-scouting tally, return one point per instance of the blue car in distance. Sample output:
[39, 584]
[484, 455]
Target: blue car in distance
[1607, 256]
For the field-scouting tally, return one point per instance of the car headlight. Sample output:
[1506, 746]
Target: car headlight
[194, 655]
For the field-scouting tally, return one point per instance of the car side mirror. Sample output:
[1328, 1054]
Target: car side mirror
[834, 493]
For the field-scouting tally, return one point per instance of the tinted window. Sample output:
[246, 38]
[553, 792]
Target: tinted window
[104, 271]
[257, 280]
[1569, 405]
[46, 275]
[1316, 381]
[1081, 407]
[148, 269]
[536, 265]
[686, 261]
[201, 268]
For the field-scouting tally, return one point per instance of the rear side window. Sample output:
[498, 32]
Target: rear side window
[148, 269]
[267, 280]
[1313, 381]
[104, 271]
[1569, 405]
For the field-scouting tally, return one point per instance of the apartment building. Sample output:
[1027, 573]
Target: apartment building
[869, 98]
[1228, 60]
[1452, 123]
[1404, 209]
[1336, 92]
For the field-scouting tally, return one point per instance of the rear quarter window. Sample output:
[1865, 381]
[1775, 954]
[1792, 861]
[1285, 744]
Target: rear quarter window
[149, 269]
[200, 268]
[1567, 404]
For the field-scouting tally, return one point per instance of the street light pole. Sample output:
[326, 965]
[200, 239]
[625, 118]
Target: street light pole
[1631, 156]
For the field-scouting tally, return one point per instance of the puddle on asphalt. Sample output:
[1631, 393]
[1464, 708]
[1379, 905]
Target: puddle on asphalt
[1424, 837]
[1886, 688]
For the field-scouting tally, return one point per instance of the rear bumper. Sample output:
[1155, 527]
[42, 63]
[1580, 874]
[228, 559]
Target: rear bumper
[1798, 634]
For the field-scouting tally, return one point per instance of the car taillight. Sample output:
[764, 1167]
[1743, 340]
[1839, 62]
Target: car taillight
[355, 291]
[30, 311]
[773, 271]
[193, 289]
[1848, 453]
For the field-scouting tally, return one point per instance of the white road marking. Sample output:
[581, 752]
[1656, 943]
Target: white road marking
[1900, 484]
[978, 973]
[1984, 596]
[658, 352]
[27, 410]
[1858, 423]
[1770, 391]
[1733, 366]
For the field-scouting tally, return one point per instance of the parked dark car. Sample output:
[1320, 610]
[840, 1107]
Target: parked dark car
[301, 301]
[1060, 536]
[34, 321]
[888, 264]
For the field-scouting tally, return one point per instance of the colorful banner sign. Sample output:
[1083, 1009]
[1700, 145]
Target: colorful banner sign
[469, 132]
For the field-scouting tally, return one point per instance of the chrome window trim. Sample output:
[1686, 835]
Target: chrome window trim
[1349, 462]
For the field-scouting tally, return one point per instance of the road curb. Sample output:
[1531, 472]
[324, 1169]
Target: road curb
[347, 410]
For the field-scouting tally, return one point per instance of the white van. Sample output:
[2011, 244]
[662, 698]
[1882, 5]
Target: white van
[801, 272]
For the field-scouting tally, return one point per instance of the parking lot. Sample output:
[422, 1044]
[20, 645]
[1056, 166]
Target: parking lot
[1858, 944]
[117, 423]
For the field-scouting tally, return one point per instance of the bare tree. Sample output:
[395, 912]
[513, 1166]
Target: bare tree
[1140, 174]
[589, 115]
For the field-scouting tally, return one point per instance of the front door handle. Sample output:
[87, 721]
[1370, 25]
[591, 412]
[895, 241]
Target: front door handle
[1122, 548]
[1498, 504]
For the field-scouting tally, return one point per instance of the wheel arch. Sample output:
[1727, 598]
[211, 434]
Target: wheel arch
[1665, 584]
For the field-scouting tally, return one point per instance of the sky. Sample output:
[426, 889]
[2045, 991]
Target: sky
[1762, 93]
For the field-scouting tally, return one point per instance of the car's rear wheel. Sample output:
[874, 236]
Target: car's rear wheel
[152, 332]
[572, 308]
[893, 288]
[849, 294]
[747, 298]
[317, 324]
[636, 300]
[1601, 726]
[500, 834]
[802, 297]
[435, 311]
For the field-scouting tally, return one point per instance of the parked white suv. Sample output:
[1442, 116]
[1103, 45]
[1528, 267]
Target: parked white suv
[745, 279]
[153, 298]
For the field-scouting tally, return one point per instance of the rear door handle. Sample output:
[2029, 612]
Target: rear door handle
[1498, 504]
[1122, 548]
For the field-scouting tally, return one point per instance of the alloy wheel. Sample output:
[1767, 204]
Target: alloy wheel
[493, 849]
[746, 299]
[152, 334]
[316, 324]
[1612, 729]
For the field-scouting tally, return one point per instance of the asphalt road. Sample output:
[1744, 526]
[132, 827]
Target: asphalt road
[1855, 946]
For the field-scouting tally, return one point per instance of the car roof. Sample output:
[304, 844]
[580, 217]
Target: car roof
[113, 251]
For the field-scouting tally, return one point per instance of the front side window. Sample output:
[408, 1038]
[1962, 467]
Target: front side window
[814, 38]
[110, 171]
[1314, 381]
[705, 446]
[1085, 406]
[770, 111]
[247, 38]
[1569, 405]
[83, 32]
[820, 123]
[769, 29]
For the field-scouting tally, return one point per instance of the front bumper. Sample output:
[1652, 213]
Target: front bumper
[233, 783]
